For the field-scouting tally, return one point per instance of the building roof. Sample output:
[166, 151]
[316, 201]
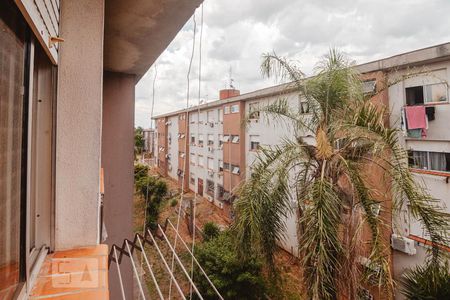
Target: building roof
[408, 59]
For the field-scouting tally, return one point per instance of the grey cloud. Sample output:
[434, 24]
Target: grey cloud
[237, 32]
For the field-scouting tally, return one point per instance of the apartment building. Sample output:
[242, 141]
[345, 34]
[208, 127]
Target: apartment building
[149, 140]
[68, 73]
[422, 87]
[418, 78]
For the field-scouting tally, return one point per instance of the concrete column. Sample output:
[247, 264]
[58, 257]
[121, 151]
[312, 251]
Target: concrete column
[78, 125]
[117, 163]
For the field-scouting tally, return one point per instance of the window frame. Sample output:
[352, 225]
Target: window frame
[234, 109]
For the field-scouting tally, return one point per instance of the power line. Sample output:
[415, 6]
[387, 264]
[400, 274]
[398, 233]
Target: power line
[185, 145]
[198, 131]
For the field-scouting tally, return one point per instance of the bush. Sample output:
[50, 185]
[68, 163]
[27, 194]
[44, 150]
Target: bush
[210, 231]
[140, 171]
[427, 282]
[234, 277]
[174, 202]
[153, 191]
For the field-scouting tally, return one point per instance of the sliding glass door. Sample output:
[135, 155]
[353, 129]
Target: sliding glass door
[13, 110]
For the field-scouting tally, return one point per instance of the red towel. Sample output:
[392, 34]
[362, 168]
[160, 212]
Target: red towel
[416, 118]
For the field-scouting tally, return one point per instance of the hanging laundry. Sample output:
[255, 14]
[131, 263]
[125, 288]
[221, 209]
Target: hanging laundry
[416, 118]
[415, 133]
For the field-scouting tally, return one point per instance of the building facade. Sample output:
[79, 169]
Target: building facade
[225, 135]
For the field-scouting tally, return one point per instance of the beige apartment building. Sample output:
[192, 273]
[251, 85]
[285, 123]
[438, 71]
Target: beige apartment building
[67, 81]
[220, 150]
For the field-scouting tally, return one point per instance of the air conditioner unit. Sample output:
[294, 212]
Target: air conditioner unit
[210, 199]
[210, 149]
[221, 205]
[364, 294]
[210, 173]
[403, 244]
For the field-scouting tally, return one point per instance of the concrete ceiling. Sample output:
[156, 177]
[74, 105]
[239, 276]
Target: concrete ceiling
[138, 31]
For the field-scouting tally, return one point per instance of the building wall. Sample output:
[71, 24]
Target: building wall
[234, 153]
[78, 125]
[172, 147]
[161, 128]
[117, 163]
[270, 132]
[183, 151]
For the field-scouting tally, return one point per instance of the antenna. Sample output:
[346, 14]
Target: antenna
[230, 78]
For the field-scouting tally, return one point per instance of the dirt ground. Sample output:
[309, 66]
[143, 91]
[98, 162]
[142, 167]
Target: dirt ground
[290, 284]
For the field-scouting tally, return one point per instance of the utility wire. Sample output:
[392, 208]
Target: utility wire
[185, 148]
[144, 225]
[198, 131]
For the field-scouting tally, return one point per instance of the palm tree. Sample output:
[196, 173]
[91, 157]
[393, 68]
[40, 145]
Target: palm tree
[336, 199]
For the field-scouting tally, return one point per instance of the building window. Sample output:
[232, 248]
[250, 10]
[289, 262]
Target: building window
[235, 139]
[220, 192]
[210, 139]
[225, 138]
[210, 187]
[423, 94]
[192, 179]
[226, 110]
[201, 118]
[192, 159]
[201, 162]
[226, 166]
[169, 139]
[210, 163]
[369, 86]
[235, 169]
[220, 165]
[210, 116]
[254, 142]
[220, 115]
[181, 154]
[436, 161]
[220, 140]
[12, 145]
[253, 109]
[304, 106]
[234, 108]
[200, 140]
[192, 139]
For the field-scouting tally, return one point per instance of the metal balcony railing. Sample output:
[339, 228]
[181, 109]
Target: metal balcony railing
[128, 248]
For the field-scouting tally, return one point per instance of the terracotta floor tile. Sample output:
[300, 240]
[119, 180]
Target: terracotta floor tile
[83, 252]
[74, 273]
[83, 295]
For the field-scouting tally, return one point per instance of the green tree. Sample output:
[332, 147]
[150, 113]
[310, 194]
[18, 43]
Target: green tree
[233, 277]
[140, 171]
[427, 282]
[210, 231]
[330, 183]
[153, 190]
[138, 140]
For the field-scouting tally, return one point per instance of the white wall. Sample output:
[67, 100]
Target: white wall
[172, 132]
[79, 124]
[272, 132]
[437, 140]
[205, 128]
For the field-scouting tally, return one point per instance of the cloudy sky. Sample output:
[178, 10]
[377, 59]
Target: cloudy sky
[237, 32]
